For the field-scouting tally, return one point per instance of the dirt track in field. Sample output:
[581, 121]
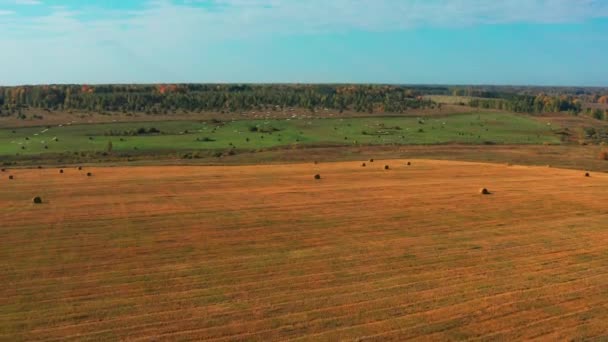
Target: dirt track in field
[268, 253]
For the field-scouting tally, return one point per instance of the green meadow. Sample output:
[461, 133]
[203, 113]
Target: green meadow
[494, 128]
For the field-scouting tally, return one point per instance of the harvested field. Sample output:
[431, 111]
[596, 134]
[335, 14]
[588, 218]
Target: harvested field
[265, 253]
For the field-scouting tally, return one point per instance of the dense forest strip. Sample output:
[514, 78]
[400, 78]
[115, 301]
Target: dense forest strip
[170, 98]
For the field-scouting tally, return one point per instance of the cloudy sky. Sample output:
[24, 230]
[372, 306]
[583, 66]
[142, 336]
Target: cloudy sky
[547, 42]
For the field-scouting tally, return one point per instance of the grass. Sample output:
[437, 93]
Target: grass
[210, 135]
[184, 253]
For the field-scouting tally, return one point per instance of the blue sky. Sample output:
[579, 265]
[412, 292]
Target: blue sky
[527, 42]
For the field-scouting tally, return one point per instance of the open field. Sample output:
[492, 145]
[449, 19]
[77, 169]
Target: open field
[39, 117]
[268, 253]
[170, 136]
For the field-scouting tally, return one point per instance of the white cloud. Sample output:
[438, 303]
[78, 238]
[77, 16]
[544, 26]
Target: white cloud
[28, 2]
[97, 42]
[307, 15]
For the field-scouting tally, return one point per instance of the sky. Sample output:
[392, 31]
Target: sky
[522, 42]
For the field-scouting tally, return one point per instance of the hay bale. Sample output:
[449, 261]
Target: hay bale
[89, 174]
[61, 171]
[484, 191]
[37, 200]
[363, 165]
[3, 170]
[371, 160]
[386, 167]
[409, 163]
[39, 167]
[587, 174]
[11, 177]
[317, 176]
[80, 168]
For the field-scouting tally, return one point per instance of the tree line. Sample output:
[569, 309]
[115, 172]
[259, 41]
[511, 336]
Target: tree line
[171, 98]
[159, 99]
[531, 104]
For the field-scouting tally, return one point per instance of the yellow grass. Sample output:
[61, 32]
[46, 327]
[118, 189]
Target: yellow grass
[268, 253]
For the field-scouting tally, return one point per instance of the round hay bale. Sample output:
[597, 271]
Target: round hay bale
[3, 170]
[409, 163]
[363, 165]
[484, 191]
[89, 174]
[39, 167]
[80, 168]
[386, 167]
[61, 171]
[11, 177]
[371, 160]
[587, 174]
[317, 176]
[37, 200]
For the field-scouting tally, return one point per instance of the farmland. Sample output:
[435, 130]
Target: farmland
[251, 135]
[269, 253]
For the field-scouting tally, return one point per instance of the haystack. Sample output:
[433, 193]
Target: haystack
[386, 167]
[484, 191]
[37, 200]
[317, 176]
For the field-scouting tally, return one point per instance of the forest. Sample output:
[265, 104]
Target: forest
[170, 98]
[161, 99]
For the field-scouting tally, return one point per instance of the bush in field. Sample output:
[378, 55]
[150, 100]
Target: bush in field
[205, 139]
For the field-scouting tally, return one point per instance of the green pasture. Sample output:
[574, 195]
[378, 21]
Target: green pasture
[492, 128]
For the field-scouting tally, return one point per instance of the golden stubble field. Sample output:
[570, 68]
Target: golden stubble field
[268, 253]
